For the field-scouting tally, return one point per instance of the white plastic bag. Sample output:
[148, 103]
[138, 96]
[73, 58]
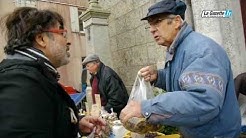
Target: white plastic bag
[141, 90]
[243, 117]
[243, 114]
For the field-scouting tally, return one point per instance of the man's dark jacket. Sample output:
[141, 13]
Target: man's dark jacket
[111, 89]
[32, 103]
[240, 84]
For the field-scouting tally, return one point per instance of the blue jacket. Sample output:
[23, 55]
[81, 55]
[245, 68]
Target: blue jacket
[200, 98]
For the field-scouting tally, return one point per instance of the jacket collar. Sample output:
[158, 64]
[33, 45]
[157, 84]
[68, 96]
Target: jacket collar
[184, 31]
[35, 55]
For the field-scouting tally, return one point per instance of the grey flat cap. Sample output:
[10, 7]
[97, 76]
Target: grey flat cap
[176, 7]
[90, 58]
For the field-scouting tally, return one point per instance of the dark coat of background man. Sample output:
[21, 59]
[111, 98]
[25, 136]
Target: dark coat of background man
[240, 84]
[84, 79]
[32, 103]
[197, 76]
[106, 82]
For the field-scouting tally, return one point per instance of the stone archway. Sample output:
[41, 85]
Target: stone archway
[243, 7]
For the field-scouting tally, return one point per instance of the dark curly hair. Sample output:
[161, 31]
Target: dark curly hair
[25, 23]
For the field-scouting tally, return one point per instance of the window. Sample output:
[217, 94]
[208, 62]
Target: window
[81, 25]
[76, 24]
[25, 3]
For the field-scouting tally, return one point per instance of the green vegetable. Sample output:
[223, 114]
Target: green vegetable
[168, 130]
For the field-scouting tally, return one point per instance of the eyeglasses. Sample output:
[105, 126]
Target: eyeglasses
[63, 32]
[155, 22]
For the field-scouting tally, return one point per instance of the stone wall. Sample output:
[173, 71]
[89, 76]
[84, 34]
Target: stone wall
[5, 7]
[132, 46]
[226, 31]
[237, 41]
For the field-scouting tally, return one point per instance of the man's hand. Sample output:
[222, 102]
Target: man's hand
[88, 123]
[132, 109]
[149, 73]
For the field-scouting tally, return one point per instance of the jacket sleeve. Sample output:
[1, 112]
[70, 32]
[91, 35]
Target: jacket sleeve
[117, 96]
[23, 110]
[203, 87]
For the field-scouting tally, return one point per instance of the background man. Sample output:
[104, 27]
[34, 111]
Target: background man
[106, 82]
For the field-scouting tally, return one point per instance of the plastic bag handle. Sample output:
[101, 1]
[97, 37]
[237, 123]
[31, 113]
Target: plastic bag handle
[137, 80]
[141, 89]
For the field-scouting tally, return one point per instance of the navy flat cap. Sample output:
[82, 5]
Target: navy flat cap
[176, 7]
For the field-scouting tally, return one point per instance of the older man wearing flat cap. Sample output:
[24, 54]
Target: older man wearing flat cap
[200, 98]
[106, 82]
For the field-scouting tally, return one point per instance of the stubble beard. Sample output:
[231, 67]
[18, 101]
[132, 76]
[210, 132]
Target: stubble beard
[60, 55]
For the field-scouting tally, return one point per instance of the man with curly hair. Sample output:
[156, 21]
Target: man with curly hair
[32, 102]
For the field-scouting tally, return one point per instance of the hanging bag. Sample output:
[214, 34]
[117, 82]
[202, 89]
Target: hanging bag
[141, 90]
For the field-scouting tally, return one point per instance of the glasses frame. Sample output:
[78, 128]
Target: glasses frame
[63, 32]
[155, 23]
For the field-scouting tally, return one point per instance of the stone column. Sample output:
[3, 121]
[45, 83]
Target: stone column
[226, 31]
[96, 32]
[207, 26]
[188, 13]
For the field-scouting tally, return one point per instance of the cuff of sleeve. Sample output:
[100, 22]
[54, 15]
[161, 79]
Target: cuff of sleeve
[146, 108]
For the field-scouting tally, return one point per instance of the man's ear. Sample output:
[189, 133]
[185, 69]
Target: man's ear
[178, 22]
[39, 38]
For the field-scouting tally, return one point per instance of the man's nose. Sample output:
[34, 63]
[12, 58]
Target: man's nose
[152, 29]
[68, 44]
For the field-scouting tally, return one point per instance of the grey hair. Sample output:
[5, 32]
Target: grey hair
[170, 17]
